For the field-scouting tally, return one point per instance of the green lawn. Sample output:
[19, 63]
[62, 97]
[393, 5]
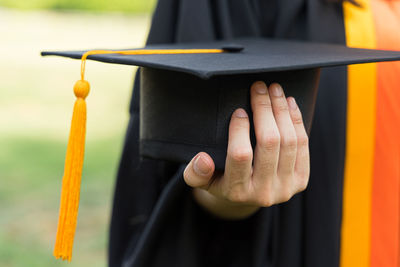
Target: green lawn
[36, 101]
[125, 6]
[31, 170]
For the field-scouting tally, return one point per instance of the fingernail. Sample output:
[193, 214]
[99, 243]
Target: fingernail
[292, 103]
[276, 90]
[261, 88]
[200, 166]
[240, 113]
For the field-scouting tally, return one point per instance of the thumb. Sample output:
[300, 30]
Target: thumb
[199, 170]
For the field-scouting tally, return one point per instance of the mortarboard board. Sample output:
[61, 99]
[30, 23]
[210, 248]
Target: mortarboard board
[187, 99]
[188, 96]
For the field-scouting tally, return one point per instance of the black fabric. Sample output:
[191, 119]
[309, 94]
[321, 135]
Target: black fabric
[155, 221]
[181, 114]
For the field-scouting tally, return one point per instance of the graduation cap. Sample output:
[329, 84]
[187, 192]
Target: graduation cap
[188, 93]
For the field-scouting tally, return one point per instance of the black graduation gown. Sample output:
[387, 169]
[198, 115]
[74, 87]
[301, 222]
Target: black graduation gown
[155, 221]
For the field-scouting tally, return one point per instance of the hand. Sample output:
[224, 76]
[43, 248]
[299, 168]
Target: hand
[280, 167]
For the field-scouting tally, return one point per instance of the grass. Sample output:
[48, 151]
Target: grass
[31, 171]
[125, 6]
[36, 101]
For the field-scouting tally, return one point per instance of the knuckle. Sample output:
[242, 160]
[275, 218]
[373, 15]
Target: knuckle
[265, 195]
[302, 184]
[241, 155]
[285, 195]
[302, 140]
[285, 191]
[297, 119]
[265, 201]
[263, 103]
[303, 180]
[236, 196]
[289, 142]
[281, 108]
[269, 141]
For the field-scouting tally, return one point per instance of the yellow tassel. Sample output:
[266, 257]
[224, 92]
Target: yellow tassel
[72, 175]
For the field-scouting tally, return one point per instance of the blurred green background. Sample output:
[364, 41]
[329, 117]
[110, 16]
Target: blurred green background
[36, 101]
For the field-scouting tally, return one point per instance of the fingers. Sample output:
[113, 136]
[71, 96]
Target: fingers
[302, 165]
[238, 165]
[199, 171]
[267, 135]
[281, 162]
[288, 138]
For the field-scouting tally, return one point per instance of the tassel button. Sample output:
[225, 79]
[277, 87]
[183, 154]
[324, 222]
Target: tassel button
[81, 89]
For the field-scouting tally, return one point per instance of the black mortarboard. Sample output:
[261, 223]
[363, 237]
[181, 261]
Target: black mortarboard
[187, 98]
